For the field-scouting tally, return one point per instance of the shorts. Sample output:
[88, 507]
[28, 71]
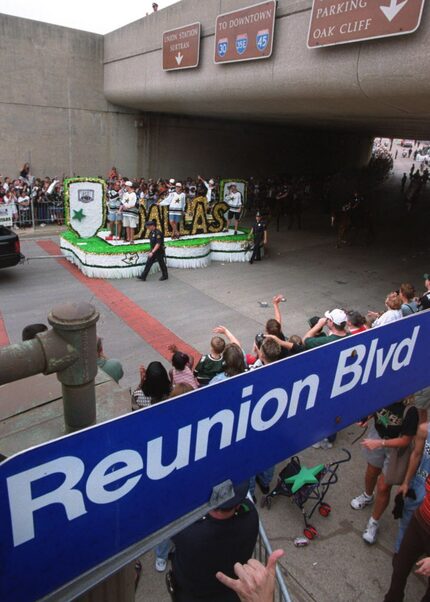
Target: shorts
[377, 457]
[115, 217]
[175, 218]
[130, 221]
[233, 214]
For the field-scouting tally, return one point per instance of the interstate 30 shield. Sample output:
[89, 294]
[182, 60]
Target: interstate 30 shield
[86, 211]
[262, 39]
[241, 43]
[222, 47]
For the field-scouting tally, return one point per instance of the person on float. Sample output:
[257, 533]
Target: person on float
[176, 210]
[234, 200]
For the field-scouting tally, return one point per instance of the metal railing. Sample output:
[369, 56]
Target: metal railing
[262, 551]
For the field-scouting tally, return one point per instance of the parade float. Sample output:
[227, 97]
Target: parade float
[202, 240]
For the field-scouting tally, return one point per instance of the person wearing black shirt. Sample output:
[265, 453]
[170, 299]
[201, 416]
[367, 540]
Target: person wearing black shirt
[214, 543]
[394, 428]
[259, 234]
[156, 240]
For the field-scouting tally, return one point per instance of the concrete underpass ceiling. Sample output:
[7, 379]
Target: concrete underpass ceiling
[380, 87]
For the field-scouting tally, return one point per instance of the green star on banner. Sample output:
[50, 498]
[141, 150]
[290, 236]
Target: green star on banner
[306, 476]
[79, 215]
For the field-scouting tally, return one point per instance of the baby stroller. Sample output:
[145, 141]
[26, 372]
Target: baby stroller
[325, 475]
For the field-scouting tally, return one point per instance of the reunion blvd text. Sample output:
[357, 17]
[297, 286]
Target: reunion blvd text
[103, 489]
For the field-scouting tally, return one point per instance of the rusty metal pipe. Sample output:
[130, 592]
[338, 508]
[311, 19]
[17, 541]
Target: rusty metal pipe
[21, 360]
[69, 349]
[76, 324]
[47, 353]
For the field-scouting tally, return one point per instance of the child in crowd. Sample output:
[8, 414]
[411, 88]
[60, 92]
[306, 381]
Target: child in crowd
[211, 364]
[182, 370]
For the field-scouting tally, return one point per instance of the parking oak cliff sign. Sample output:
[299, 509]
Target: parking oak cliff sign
[181, 47]
[343, 21]
[245, 34]
[69, 505]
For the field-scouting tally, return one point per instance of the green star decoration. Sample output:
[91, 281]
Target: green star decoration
[383, 419]
[306, 476]
[79, 215]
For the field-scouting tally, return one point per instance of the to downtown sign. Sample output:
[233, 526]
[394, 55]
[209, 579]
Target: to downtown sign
[68, 506]
[181, 47]
[344, 21]
[245, 34]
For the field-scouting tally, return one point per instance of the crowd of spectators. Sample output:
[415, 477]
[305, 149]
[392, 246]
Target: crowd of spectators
[391, 428]
[27, 199]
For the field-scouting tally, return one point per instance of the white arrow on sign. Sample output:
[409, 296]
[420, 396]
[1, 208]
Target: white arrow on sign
[180, 56]
[393, 10]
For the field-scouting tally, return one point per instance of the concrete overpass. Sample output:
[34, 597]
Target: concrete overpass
[376, 87]
[77, 102]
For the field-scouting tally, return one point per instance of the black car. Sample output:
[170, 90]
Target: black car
[10, 251]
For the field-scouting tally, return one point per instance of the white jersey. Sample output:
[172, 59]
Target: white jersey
[234, 201]
[177, 203]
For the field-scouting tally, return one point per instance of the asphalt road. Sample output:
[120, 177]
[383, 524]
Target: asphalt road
[314, 276]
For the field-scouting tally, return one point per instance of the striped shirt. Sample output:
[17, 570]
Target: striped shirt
[184, 376]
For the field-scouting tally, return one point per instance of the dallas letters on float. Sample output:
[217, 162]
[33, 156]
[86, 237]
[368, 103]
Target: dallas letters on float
[202, 237]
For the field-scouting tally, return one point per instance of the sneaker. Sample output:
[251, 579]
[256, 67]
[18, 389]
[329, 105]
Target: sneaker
[361, 501]
[371, 531]
[160, 565]
[317, 445]
[325, 444]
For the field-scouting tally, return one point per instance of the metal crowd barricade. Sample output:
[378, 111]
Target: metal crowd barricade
[262, 551]
[46, 212]
[25, 216]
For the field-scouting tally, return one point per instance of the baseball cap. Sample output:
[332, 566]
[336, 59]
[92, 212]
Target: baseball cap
[211, 181]
[426, 276]
[172, 181]
[150, 222]
[240, 493]
[338, 316]
[128, 183]
[179, 184]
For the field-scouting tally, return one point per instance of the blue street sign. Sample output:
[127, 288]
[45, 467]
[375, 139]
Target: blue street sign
[70, 504]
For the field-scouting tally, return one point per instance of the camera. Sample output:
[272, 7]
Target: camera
[259, 338]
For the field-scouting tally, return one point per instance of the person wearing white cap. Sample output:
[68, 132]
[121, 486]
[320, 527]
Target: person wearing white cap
[176, 209]
[130, 211]
[335, 321]
[234, 200]
[210, 190]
